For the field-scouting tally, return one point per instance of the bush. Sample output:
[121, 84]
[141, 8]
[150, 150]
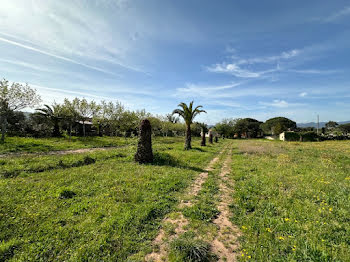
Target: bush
[309, 136]
[292, 136]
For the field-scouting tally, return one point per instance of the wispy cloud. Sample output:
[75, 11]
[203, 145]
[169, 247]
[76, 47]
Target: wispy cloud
[313, 71]
[337, 15]
[270, 59]
[237, 69]
[303, 94]
[279, 104]
[205, 89]
[233, 69]
[27, 65]
[55, 56]
[200, 90]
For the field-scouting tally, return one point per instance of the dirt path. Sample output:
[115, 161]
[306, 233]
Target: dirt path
[177, 220]
[225, 245]
[62, 152]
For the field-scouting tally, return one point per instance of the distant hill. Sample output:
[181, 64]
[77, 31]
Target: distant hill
[322, 124]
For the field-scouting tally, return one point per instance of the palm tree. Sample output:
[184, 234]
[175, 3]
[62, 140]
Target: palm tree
[54, 115]
[188, 114]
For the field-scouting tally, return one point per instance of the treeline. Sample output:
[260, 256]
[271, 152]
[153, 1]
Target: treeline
[79, 117]
[252, 128]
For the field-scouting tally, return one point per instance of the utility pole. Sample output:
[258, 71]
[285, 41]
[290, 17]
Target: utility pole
[318, 123]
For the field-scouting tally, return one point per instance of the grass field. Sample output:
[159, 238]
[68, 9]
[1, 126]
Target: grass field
[289, 200]
[292, 200]
[106, 209]
[31, 145]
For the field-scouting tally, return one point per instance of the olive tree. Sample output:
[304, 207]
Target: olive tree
[14, 97]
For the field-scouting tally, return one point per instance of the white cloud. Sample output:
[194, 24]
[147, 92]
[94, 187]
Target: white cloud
[303, 94]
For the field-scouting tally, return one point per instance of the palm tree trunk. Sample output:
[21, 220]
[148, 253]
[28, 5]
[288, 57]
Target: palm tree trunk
[56, 130]
[203, 142]
[3, 128]
[188, 137]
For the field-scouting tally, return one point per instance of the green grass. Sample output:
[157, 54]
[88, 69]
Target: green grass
[187, 248]
[292, 200]
[31, 145]
[108, 210]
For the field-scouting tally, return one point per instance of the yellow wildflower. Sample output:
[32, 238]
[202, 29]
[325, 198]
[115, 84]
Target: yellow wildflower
[268, 230]
[281, 238]
[286, 219]
[244, 227]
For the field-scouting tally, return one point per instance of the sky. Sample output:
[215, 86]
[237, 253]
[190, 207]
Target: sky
[245, 58]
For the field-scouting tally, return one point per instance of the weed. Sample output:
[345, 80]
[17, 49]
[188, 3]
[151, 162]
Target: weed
[187, 248]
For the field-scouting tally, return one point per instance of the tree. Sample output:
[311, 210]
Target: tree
[226, 127]
[108, 118]
[345, 128]
[86, 110]
[54, 115]
[14, 98]
[172, 119]
[331, 125]
[188, 113]
[248, 127]
[204, 129]
[69, 113]
[277, 125]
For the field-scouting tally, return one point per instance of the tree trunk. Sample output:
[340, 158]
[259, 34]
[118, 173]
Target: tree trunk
[188, 137]
[84, 128]
[70, 130]
[144, 152]
[210, 137]
[56, 130]
[3, 128]
[203, 138]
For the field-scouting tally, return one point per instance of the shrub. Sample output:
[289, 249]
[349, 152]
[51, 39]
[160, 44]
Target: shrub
[292, 136]
[309, 137]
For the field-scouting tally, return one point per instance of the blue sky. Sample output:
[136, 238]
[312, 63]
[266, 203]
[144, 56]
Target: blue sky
[255, 59]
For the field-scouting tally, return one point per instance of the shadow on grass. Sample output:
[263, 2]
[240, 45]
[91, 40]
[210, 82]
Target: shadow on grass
[198, 149]
[164, 159]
